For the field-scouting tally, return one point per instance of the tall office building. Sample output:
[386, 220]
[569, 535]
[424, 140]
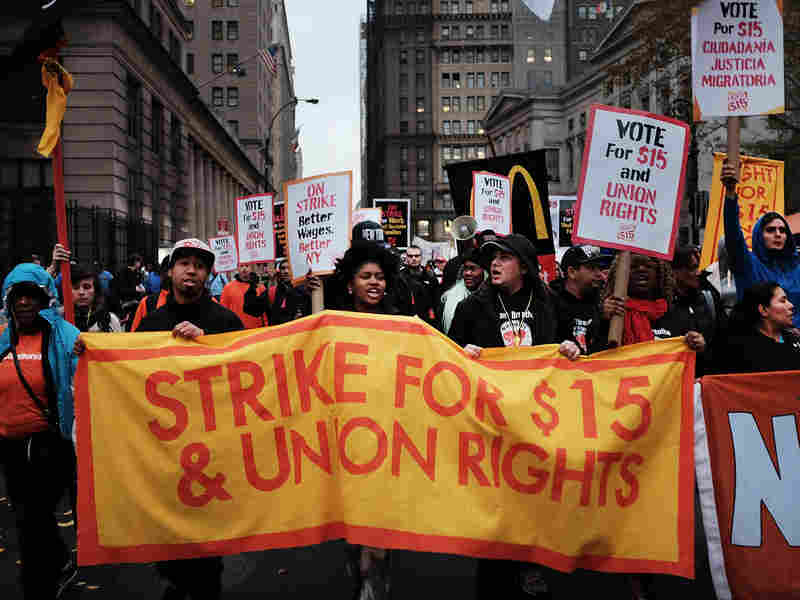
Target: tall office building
[433, 71]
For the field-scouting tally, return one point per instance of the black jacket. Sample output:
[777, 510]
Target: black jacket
[477, 318]
[289, 304]
[417, 294]
[124, 285]
[757, 353]
[206, 314]
[575, 315]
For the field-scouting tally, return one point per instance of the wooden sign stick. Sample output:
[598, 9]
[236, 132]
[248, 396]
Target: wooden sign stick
[623, 275]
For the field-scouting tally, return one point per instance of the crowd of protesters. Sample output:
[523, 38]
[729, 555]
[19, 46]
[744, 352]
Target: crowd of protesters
[491, 295]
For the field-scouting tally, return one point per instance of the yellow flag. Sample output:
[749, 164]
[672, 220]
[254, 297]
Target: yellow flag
[56, 105]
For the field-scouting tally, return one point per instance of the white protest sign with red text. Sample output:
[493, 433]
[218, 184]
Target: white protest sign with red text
[631, 186]
[737, 58]
[225, 255]
[318, 214]
[255, 240]
[491, 202]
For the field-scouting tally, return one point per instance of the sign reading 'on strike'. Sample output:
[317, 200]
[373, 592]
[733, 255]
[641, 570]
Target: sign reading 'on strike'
[254, 236]
[318, 214]
[737, 58]
[631, 186]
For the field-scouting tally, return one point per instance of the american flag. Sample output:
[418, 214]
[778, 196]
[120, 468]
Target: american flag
[268, 56]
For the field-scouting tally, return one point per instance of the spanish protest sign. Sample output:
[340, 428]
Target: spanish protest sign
[491, 202]
[530, 206]
[363, 215]
[760, 191]
[395, 220]
[225, 256]
[255, 240]
[737, 58]
[748, 474]
[333, 425]
[631, 186]
[318, 212]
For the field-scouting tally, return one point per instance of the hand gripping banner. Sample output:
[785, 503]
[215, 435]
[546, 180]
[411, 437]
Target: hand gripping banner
[380, 430]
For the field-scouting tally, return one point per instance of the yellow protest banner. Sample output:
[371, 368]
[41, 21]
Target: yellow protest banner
[760, 191]
[380, 430]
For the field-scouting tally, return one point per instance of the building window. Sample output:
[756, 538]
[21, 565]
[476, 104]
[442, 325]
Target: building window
[446, 127]
[403, 81]
[445, 104]
[421, 176]
[420, 81]
[447, 200]
[494, 6]
[570, 162]
[470, 103]
[189, 63]
[420, 153]
[134, 100]
[445, 176]
[404, 153]
[411, 8]
[457, 80]
[591, 12]
[470, 80]
[444, 58]
[445, 80]
[403, 36]
[505, 79]
[454, 7]
[479, 56]
[216, 96]
[403, 57]
[420, 104]
[547, 79]
[234, 127]
[445, 32]
[469, 56]
[583, 55]
[216, 63]
[581, 12]
[423, 7]
[457, 128]
[456, 57]
[494, 32]
[190, 29]
[494, 55]
[548, 55]
[233, 61]
[551, 159]
[233, 96]
[423, 228]
[480, 80]
[217, 3]
[494, 79]
[420, 57]
[468, 7]
[233, 3]
[420, 35]
[175, 140]
[455, 32]
[505, 55]
[233, 30]
[420, 126]
[399, 8]
[403, 104]
[470, 127]
[420, 199]
[404, 176]
[157, 126]
[479, 32]
[189, 3]
[457, 152]
[470, 32]
[456, 104]
[216, 30]
[570, 124]
[505, 32]
[403, 126]
[481, 103]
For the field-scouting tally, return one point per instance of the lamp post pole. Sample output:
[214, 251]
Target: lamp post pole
[267, 156]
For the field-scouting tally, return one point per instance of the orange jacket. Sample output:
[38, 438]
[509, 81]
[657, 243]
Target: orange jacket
[233, 299]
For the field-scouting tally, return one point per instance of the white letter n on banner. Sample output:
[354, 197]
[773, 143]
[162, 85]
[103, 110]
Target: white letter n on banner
[757, 480]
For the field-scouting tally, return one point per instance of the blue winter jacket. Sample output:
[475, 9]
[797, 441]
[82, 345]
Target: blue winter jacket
[62, 339]
[761, 265]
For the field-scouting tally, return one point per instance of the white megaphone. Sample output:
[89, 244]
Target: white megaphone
[464, 228]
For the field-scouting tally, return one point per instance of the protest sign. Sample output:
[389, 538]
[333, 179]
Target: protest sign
[279, 218]
[255, 240]
[527, 173]
[318, 212]
[333, 425]
[631, 186]
[491, 202]
[748, 476]
[395, 221]
[760, 191]
[366, 214]
[225, 256]
[737, 58]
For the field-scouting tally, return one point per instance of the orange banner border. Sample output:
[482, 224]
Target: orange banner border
[91, 552]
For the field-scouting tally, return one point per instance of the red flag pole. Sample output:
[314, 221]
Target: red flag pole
[61, 223]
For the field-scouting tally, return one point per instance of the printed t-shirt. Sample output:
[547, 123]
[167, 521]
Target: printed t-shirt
[19, 414]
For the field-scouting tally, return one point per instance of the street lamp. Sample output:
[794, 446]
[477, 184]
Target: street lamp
[267, 157]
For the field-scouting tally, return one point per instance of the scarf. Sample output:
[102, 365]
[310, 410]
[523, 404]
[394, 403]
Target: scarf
[639, 316]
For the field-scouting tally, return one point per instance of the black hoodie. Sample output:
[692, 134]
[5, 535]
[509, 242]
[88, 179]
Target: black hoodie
[575, 315]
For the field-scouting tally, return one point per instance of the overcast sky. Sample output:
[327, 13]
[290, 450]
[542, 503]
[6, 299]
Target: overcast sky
[325, 44]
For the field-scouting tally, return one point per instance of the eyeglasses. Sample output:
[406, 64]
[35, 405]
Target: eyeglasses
[774, 228]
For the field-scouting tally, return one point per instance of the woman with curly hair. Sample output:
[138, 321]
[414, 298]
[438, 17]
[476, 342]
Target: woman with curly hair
[651, 291]
[363, 280]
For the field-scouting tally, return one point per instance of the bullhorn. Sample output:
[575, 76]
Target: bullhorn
[464, 228]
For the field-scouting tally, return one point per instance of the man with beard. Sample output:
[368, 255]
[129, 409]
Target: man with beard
[189, 313]
[577, 293]
[233, 296]
[422, 287]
